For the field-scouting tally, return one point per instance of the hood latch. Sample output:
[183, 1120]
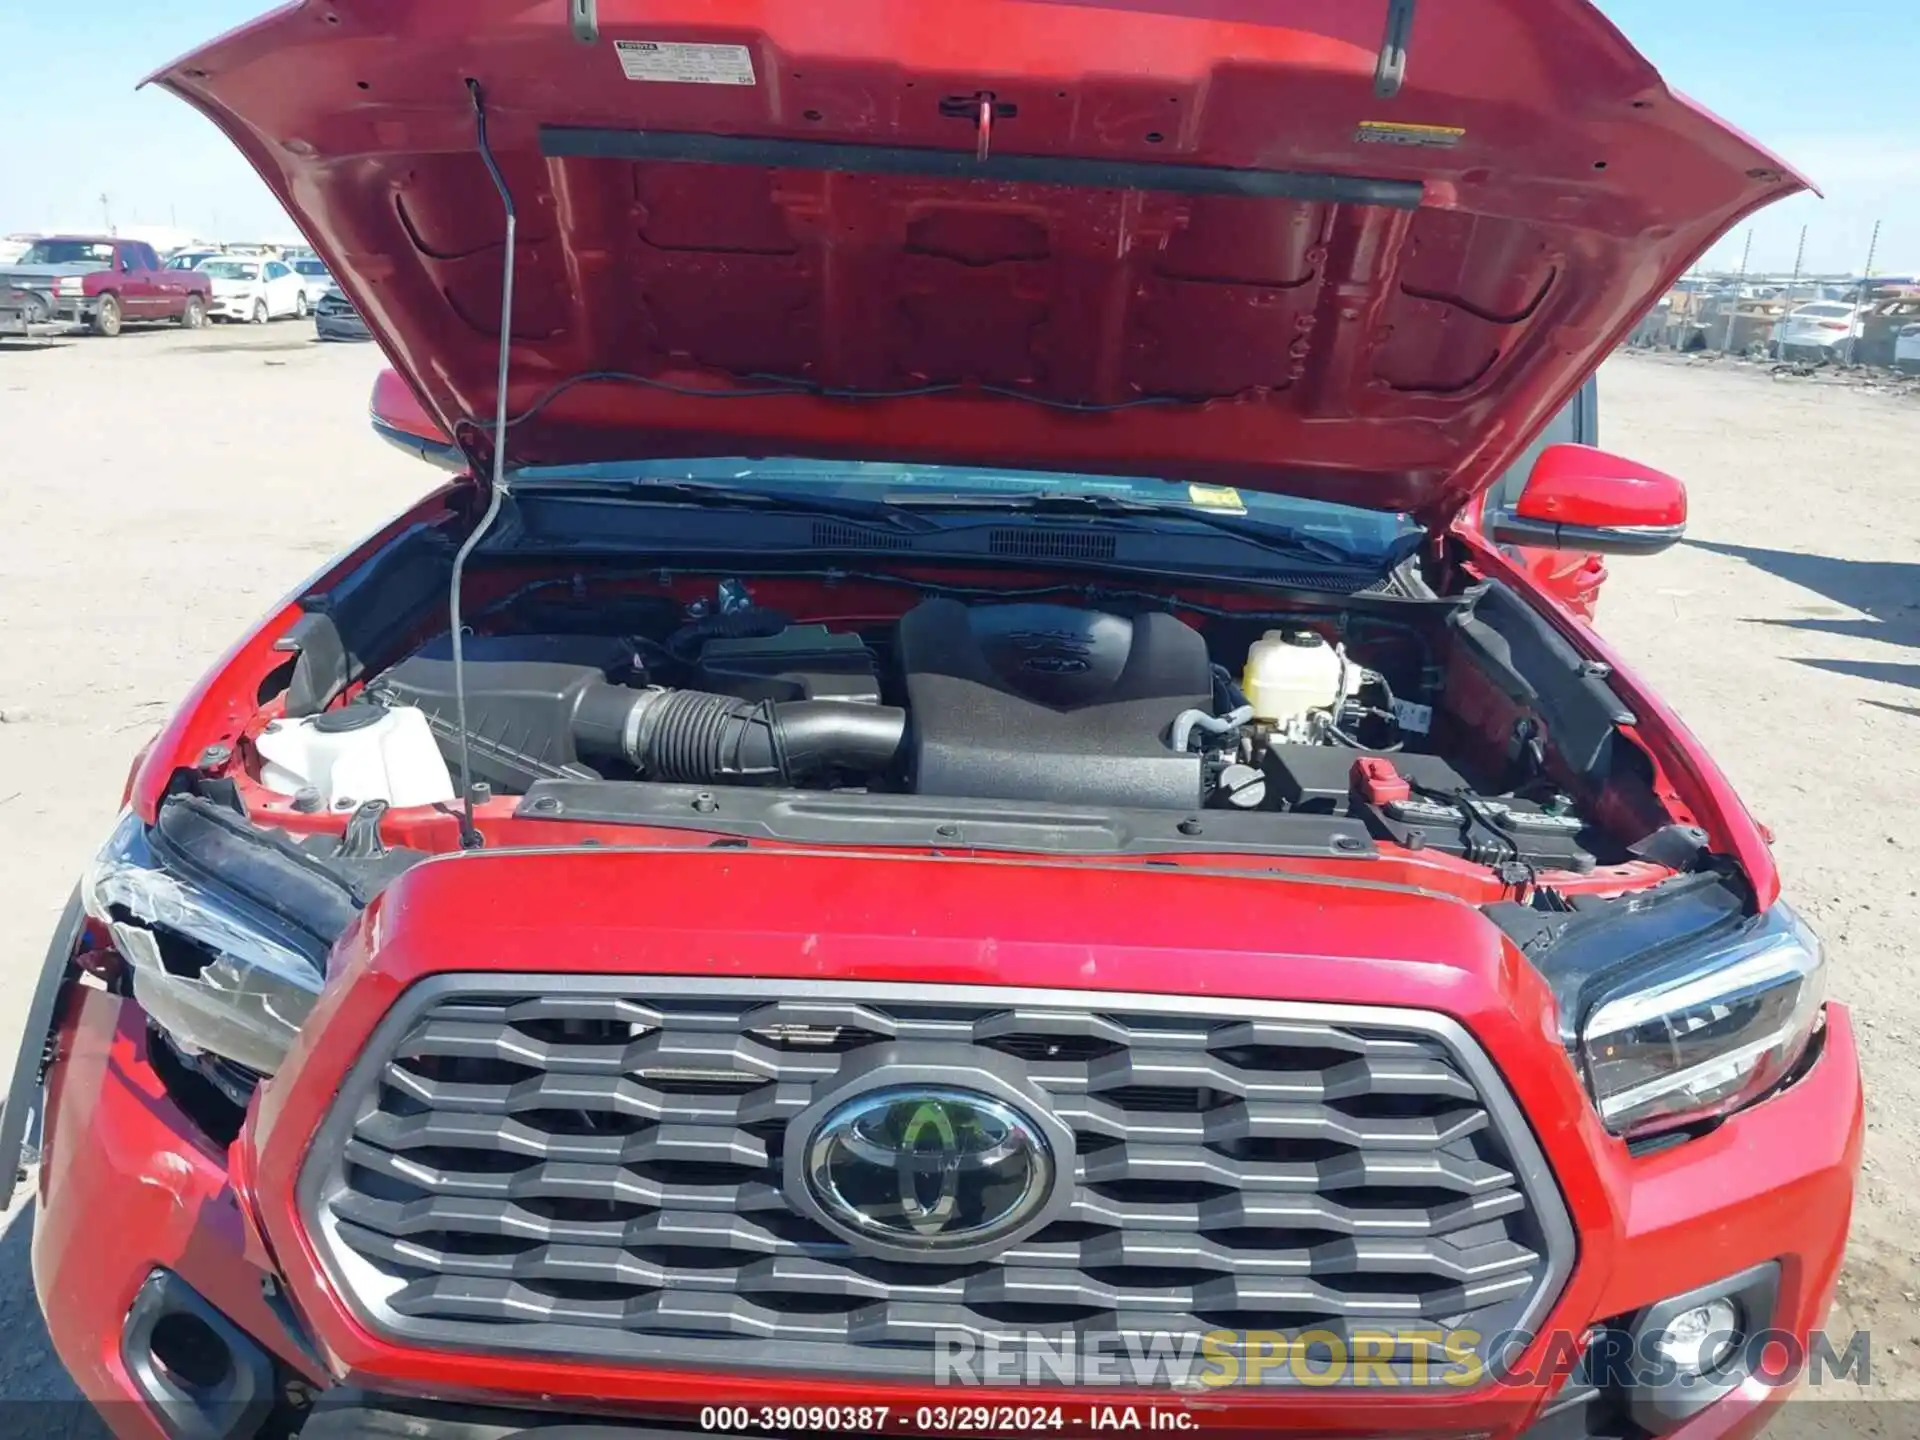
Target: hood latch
[982, 107]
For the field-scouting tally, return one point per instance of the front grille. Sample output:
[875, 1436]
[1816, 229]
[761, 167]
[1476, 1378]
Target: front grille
[580, 1165]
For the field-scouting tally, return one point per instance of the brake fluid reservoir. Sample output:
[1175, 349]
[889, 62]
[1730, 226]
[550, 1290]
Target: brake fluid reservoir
[1290, 672]
[355, 754]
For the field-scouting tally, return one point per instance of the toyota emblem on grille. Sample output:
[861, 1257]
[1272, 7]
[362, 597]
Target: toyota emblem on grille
[930, 1172]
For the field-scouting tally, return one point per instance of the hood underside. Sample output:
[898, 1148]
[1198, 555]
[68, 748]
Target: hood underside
[1177, 237]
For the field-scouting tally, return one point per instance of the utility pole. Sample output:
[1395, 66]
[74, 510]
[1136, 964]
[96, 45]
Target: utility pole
[1799, 259]
[106, 213]
[1746, 254]
[1859, 322]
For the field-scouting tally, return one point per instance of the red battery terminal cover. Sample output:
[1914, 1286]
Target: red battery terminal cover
[1378, 783]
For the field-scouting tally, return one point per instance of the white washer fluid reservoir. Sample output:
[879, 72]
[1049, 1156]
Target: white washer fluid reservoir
[358, 753]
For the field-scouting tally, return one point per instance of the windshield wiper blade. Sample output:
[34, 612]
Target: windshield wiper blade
[1283, 538]
[733, 497]
[914, 511]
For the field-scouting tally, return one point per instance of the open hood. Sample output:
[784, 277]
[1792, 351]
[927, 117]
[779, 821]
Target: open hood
[1297, 245]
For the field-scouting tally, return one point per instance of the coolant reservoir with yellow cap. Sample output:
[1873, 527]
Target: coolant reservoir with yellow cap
[1293, 672]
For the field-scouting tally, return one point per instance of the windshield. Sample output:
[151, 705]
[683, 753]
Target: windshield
[231, 270]
[315, 268]
[1364, 533]
[68, 252]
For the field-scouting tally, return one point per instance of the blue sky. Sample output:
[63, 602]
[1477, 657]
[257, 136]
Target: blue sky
[1834, 87]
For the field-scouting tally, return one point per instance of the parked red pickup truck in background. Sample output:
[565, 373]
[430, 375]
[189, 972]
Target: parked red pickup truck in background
[103, 282]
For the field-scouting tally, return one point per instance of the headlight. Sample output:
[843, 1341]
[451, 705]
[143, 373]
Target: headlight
[219, 929]
[1705, 1035]
[70, 285]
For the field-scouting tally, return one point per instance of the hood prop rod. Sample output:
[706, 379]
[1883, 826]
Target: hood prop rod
[470, 837]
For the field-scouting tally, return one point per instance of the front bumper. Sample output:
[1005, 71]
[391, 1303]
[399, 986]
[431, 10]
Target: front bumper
[347, 326]
[131, 1185]
[24, 305]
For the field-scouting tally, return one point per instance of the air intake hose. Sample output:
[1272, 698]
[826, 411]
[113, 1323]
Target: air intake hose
[689, 735]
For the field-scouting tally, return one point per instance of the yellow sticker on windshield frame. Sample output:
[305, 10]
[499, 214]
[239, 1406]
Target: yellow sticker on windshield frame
[1393, 132]
[1217, 497]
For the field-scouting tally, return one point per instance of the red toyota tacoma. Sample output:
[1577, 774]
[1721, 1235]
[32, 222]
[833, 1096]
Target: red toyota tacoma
[962, 823]
[103, 282]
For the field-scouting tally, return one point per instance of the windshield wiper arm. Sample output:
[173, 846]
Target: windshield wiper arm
[1069, 502]
[913, 511]
[733, 497]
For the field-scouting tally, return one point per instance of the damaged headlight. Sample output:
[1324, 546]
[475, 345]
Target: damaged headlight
[1704, 1035]
[225, 933]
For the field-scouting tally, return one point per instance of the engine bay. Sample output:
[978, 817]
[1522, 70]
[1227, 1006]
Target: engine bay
[1417, 727]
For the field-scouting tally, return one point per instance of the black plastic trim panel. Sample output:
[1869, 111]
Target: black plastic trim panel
[943, 822]
[1511, 528]
[1537, 669]
[230, 1408]
[355, 625]
[1667, 1406]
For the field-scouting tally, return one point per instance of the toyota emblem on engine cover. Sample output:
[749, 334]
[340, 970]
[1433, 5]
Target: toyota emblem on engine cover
[929, 1172]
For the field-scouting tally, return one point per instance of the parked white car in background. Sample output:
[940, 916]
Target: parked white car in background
[1906, 349]
[1819, 331]
[255, 290]
[313, 273]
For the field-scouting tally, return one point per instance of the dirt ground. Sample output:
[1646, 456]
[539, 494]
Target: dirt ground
[162, 490]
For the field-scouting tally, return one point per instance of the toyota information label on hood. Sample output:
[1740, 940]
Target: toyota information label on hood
[681, 64]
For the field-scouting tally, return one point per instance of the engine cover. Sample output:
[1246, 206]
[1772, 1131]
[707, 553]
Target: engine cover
[1051, 703]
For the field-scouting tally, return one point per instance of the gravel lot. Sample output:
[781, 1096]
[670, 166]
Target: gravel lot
[163, 489]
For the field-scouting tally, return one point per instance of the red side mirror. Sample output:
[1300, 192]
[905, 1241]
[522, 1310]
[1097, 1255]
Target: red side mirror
[400, 419]
[1580, 498]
